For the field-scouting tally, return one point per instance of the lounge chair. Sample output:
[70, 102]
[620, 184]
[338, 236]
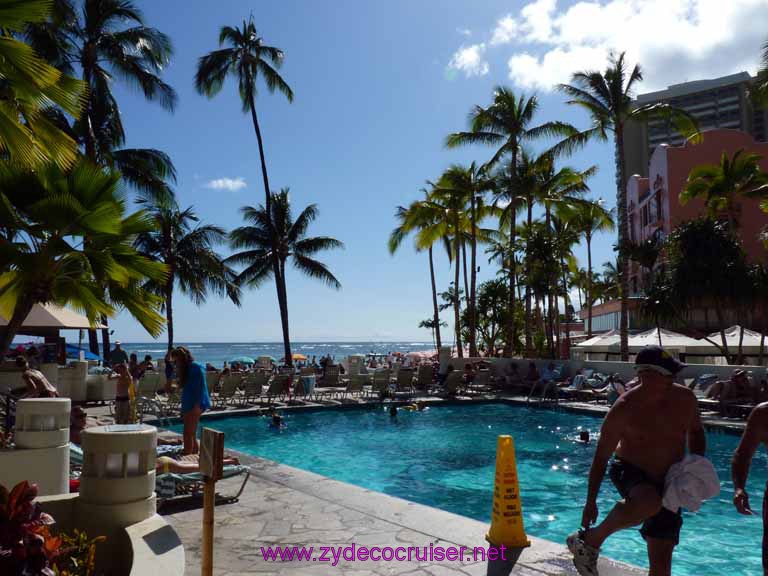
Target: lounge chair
[424, 378]
[404, 381]
[228, 391]
[172, 487]
[480, 383]
[149, 384]
[212, 380]
[380, 382]
[253, 384]
[454, 382]
[356, 385]
[279, 387]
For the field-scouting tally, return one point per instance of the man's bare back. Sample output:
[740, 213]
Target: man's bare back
[37, 384]
[653, 426]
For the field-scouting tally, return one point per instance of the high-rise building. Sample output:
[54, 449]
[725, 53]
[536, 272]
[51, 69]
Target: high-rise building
[718, 103]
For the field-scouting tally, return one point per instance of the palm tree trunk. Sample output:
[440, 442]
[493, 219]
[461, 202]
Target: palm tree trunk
[589, 286]
[762, 346]
[721, 328]
[740, 357]
[473, 281]
[457, 300]
[282, 300]
[466, 278]
[93, 341]
[623, 264]
[528, 336]
[20, 312]
[436, 310]
[566, 301]
[169, 313]
[511, 327]
[264, 176]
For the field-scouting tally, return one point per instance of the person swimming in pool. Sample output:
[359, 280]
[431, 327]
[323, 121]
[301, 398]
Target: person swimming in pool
[277, 422]
[393, 411]
[583, 437]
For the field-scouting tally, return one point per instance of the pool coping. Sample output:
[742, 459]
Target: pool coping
[543, 557]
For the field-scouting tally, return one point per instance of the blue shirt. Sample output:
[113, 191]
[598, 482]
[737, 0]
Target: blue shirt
[195, 390]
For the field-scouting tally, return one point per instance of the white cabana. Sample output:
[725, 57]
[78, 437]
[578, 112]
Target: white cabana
[610, 338]
[733, 334]
[661, 337]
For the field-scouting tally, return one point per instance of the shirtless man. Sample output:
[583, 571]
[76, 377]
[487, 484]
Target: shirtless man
[755, 433]
[36, 382]
[646, 431]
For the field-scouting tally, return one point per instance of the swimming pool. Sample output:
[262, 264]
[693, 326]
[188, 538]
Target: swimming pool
[445, 457]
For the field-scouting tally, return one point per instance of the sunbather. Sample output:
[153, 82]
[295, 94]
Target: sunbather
[533, 375]
[166, 465]
[512, 376]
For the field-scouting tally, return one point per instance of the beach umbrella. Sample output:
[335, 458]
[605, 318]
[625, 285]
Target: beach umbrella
[242, 360]
[298, 356]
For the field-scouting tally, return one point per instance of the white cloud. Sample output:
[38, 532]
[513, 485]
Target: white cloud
[464, 31]
[469, 59]
[231, 184]
[673, 40]
[505, 30]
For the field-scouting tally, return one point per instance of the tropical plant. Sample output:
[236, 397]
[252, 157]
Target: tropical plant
[422, 218]
[275, 236]
[245, 58]
[31, 87]
[26, 543]
[565, 235]
[186, 247]
[591, 218]
[507, 123]
[43, 255]
[720, 185]
[607, 98]
[706, 269]
[105, 40]
[78, 556]
[646, 254]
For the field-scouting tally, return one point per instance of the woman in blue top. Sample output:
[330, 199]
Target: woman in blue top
[194, 395]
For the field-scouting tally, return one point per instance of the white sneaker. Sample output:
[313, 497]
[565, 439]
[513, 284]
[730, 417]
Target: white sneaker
[584, 555]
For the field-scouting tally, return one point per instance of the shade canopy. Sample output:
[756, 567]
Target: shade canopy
[52, 317]
[661, 337]
[733, 334]
[610, 338]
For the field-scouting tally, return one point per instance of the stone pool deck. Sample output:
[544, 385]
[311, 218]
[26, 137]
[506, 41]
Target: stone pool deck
[284, 506]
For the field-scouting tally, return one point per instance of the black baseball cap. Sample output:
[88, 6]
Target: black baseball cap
[658, 359]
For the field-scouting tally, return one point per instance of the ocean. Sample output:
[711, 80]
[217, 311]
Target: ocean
[219, 352]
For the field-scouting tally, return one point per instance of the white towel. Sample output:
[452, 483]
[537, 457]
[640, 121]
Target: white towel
[690, 482]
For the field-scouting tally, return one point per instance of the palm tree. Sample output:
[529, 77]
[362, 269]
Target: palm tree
[507, 123]
[607, 97]
[31, 87]
[565, 235]
[420, 217]
[720, 185]
[591, 218]
[470, 182]
[245, 58]
[47, 213]
[108, 39]
[187, 249]
[275, 236]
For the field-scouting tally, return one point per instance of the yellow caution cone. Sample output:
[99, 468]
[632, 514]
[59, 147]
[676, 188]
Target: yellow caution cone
[507, 517]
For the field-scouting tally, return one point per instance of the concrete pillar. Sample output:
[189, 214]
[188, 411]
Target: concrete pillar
[118, 481]
[444, 356]
[41, 454]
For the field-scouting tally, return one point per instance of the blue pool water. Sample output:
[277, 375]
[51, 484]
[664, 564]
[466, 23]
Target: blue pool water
[444, 457]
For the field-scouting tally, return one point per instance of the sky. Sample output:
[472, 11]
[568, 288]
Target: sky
[378, 86]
